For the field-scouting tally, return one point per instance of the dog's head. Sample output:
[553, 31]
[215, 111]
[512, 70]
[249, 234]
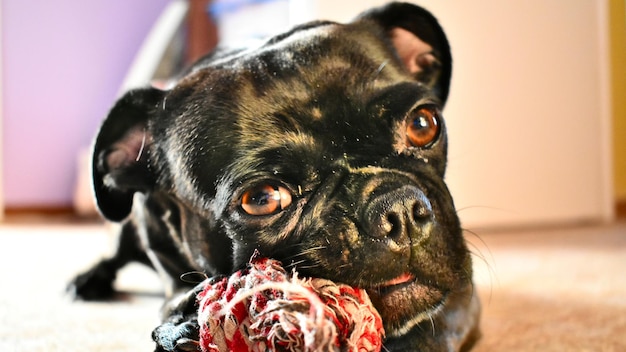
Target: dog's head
[324, 147]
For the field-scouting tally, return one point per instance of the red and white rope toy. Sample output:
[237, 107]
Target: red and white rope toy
[262, 308]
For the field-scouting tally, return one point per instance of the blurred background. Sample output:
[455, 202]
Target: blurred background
[536, 114]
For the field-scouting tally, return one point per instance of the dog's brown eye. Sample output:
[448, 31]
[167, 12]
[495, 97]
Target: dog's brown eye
[422, 127]
[265, 200]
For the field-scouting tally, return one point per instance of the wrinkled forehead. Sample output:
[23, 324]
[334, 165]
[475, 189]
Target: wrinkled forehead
[312, 64]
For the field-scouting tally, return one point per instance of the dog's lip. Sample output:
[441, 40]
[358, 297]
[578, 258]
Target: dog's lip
[398, 282]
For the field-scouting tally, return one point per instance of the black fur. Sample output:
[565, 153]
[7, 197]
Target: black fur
[322, 113]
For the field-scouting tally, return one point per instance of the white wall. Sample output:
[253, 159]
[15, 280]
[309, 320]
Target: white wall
[528, 114]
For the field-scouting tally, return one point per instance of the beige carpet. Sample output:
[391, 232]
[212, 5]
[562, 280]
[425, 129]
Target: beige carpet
[542, 290]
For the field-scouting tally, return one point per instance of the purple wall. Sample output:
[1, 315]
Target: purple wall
[63, 62]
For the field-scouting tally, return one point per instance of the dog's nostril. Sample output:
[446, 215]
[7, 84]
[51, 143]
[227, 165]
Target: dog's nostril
[421, 212]
[393, 226]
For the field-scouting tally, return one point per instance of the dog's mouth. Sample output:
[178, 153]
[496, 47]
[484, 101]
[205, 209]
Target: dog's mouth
[404, 302]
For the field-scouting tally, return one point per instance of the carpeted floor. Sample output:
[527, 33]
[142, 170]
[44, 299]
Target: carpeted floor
[542, 290]
[557, 290]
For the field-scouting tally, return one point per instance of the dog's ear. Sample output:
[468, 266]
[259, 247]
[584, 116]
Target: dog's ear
[120, 161]
[419, 41]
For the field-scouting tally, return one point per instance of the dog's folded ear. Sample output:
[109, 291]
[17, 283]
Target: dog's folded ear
[120, 162]
[419, 42]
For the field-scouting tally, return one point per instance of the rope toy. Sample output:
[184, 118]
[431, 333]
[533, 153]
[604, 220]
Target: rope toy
[262, 308]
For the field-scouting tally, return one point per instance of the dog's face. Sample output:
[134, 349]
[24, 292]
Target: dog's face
[324, 148]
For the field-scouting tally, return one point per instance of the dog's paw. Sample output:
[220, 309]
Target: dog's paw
[177, 336]
[94, 284]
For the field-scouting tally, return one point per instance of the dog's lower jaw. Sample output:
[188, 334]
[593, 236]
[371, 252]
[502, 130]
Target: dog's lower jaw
[451, 325]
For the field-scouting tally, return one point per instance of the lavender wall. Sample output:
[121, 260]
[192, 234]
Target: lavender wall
[63, 62]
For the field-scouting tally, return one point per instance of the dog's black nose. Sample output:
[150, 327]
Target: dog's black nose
[401, 215]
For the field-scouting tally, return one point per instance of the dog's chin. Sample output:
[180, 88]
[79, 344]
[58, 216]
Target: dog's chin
[404, 302]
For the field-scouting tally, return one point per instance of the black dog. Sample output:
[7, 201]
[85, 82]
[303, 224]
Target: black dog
[323, 148]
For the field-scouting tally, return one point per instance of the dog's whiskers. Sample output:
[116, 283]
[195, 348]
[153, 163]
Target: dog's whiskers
[476, 252]
[432, 322]
[312, 250]
[310, 266]
[483, 208]
[305, 252]
[143, 145]
[380, 69]
[294, 265]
